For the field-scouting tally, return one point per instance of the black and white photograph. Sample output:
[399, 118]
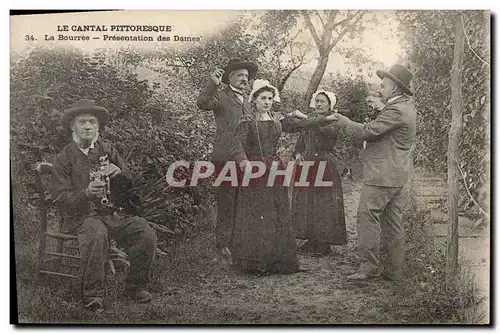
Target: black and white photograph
[251, 167]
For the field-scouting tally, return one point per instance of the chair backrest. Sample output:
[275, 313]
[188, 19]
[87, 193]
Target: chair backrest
[43, 172]
[43, 169]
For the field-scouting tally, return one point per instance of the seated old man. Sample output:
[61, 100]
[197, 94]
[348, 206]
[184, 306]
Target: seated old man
[93, 190]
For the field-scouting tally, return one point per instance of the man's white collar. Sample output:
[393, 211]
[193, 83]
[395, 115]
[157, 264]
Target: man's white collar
[394, 98]
[236, 90]
[85, 150]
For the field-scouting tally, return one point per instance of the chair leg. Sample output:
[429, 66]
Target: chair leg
[41, 249]
[59, 249]
[79, 284]
[80, 274]
[106, 276]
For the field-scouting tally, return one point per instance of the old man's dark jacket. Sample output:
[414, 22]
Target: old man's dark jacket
[71, 176]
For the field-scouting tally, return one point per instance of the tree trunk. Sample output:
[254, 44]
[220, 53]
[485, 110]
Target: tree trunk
[316, 78]
[282, 82]
[453, 149]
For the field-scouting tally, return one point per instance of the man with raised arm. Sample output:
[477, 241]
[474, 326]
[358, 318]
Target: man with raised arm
[228, 105]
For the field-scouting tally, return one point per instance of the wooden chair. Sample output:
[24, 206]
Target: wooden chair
[58, 253]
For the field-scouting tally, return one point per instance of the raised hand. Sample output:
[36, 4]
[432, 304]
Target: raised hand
[217, 76]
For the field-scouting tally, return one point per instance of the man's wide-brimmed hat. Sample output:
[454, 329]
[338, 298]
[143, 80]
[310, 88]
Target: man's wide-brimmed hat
[400, 75]
[85, 106]
[236, 64]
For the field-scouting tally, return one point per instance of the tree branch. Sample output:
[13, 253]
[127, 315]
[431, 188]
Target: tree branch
[174, 65]
[160, 252]
[311, 28]
[467, 188]
[161, 228]
[320, 18]
[187, 68]
[304, 48]
[287, 76]
[302, 52]
[341, 22]
[330, 24]
[468, 43]
[345, 31]
[327, 31]
[296, 35]
[291, 52]
[336, 40]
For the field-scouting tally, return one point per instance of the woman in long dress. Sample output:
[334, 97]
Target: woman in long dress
[318, 212]
[263, 239]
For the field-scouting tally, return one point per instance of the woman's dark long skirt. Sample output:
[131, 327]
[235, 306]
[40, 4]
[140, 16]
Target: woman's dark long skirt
[263, 239]
[318, 212]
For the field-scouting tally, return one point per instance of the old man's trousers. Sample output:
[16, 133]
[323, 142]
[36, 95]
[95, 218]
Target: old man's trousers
[131, 232]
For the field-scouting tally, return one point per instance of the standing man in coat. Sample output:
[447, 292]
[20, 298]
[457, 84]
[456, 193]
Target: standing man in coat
[228, 105]
[387, 161]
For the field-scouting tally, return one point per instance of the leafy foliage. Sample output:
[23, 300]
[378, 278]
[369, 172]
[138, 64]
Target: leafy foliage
[196, 63]
[429, 38]
[282, 49]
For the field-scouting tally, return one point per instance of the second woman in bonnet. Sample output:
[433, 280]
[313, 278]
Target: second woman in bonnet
[318, 212]
[263, 239]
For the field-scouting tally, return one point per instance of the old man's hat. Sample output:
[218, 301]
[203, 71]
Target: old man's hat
[236, 64]
[85, 106]
[400, 75]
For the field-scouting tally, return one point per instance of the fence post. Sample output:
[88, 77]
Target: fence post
[453, 148]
